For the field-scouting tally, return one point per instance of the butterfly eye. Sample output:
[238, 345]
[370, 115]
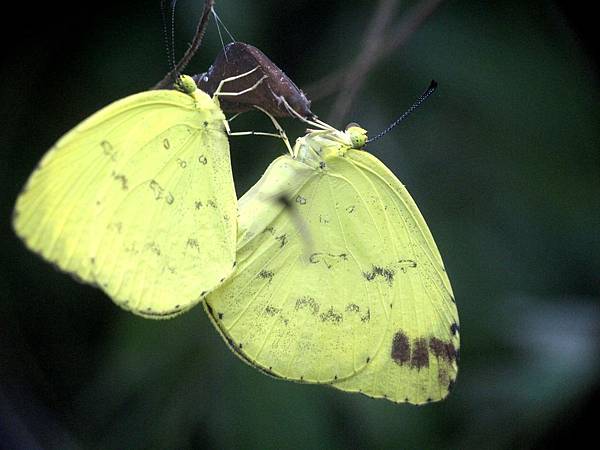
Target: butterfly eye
[357, 135]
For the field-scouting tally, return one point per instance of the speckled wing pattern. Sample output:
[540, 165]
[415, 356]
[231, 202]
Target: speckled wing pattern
[367, 307]
[139, 200]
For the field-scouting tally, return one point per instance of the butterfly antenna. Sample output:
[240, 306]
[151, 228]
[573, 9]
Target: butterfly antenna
[430, 90]
[173, 4]
[169, 33]
[163, 11]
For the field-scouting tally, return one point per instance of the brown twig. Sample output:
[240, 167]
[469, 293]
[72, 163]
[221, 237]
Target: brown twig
[169, 78]
[394, 38]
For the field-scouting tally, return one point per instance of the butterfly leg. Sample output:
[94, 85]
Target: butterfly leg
[219, 91]
[280, 135]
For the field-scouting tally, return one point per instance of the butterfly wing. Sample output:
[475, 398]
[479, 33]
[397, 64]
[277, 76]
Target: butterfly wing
[368, 308]
[418, 361]
[139, 200]
[301, 312]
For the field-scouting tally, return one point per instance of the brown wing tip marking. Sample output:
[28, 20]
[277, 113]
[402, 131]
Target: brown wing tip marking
[416, 353]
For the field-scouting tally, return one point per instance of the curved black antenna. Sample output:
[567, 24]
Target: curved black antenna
[430, 90]
[173, 4]
[163, 12]
[168, 79]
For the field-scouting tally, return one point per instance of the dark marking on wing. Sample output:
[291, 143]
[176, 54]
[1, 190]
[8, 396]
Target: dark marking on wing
[366, 316]
[282, 238]
[419, 357]
[264, 274]
[329, 259]
[166, 144]
[331, 315]
[400, 348]
[383, 272]
[322, 165]
[352, 307]
[182, 163]
[301, 200]
[220, 315]
[454, 328]
[442, 350]
[443, 377]
[323, 219]
[203, 293]
[120, 178]
[211, 203]
[108, 150]
[202, 160]
[193, 243]
[271, 310]
[406, 264]
[307, 302]
[160, 192]
[153, 247]
[350, 209]
[198, 204]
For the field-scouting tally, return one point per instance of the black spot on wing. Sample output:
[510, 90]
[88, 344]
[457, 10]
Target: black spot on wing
[419, 357]
[266, 274]
[400, 348]
[454, 328]
[271, 310]
[442, 350]
[332, 315]
[309, 303]
[377, 271]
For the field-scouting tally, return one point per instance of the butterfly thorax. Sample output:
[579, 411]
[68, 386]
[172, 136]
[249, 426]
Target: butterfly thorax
[317, 147]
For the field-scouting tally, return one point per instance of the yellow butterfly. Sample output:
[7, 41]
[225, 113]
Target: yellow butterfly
[366, 306]
[139, 200]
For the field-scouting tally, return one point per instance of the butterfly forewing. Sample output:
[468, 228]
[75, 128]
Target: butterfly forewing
[138, 199]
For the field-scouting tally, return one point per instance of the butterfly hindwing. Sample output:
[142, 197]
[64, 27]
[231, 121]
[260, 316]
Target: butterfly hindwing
[303, 313]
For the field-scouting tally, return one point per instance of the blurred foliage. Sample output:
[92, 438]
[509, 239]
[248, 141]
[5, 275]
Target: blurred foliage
[503, 161]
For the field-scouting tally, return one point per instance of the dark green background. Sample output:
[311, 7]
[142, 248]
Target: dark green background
[503, 161]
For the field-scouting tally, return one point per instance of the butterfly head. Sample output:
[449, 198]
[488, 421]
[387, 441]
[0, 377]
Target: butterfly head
[357, 135]
[185, 84]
